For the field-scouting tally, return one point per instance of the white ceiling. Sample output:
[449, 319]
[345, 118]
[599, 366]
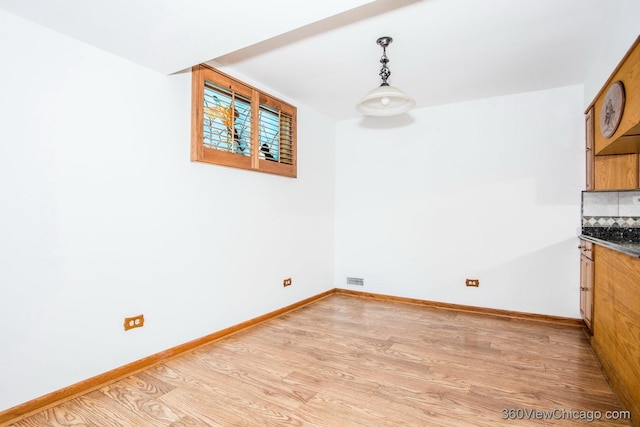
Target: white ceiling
[323, 54]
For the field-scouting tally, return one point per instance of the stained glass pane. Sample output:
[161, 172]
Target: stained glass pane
[269, 127]
[227, 120]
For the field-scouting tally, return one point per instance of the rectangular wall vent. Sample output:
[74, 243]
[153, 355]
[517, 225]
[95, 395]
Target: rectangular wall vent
[355, 281]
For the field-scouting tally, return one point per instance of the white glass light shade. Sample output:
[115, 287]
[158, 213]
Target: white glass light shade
[385, 101]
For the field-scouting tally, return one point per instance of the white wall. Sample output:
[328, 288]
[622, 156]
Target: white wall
[618, 37]
[103, 216]
[488, 189]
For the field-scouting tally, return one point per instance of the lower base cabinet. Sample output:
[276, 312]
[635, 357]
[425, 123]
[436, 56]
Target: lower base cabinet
[616, 323]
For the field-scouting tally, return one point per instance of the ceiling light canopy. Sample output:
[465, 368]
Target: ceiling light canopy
[385, 100]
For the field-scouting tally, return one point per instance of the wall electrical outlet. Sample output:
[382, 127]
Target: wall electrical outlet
[286, 282]
[473, 282]
[133, 322]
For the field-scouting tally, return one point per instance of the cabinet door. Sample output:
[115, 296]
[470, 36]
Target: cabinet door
[616, 172]
[590, 154]
[586, 290]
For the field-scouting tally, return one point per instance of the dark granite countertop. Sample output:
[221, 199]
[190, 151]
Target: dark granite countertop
[621, 239]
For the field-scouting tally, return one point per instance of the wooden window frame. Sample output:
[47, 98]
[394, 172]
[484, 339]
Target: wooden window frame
[201, 153]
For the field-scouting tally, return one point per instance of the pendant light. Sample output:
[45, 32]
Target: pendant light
[385, 100]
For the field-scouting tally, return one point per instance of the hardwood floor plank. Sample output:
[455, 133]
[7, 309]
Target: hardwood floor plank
[38, 420]
[325, 409]
[140, 396]
[267, 391]
[190, 422]
[229, 409]
[93, 409]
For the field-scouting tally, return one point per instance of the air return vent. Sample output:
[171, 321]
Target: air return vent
[355, 281]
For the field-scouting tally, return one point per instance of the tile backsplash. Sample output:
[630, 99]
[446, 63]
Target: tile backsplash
[611, 209]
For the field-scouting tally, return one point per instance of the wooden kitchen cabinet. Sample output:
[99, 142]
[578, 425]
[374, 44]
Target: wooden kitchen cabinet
[616, 323]
[626, 138]
[610, 279]
[612, 159]
[586, 283]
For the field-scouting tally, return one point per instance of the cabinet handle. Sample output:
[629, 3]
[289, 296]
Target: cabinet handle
[588, 148]
[583, 288]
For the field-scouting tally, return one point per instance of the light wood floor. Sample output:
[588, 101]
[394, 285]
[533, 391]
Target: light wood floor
[349, 361]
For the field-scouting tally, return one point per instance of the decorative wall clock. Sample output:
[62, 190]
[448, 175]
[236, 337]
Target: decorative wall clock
[612, 109]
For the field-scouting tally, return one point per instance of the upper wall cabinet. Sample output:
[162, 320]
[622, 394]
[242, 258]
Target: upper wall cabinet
[617, 108]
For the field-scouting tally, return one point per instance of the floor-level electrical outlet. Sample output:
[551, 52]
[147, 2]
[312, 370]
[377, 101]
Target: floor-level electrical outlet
[133, 322]
[473, 282]
[286, 282]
